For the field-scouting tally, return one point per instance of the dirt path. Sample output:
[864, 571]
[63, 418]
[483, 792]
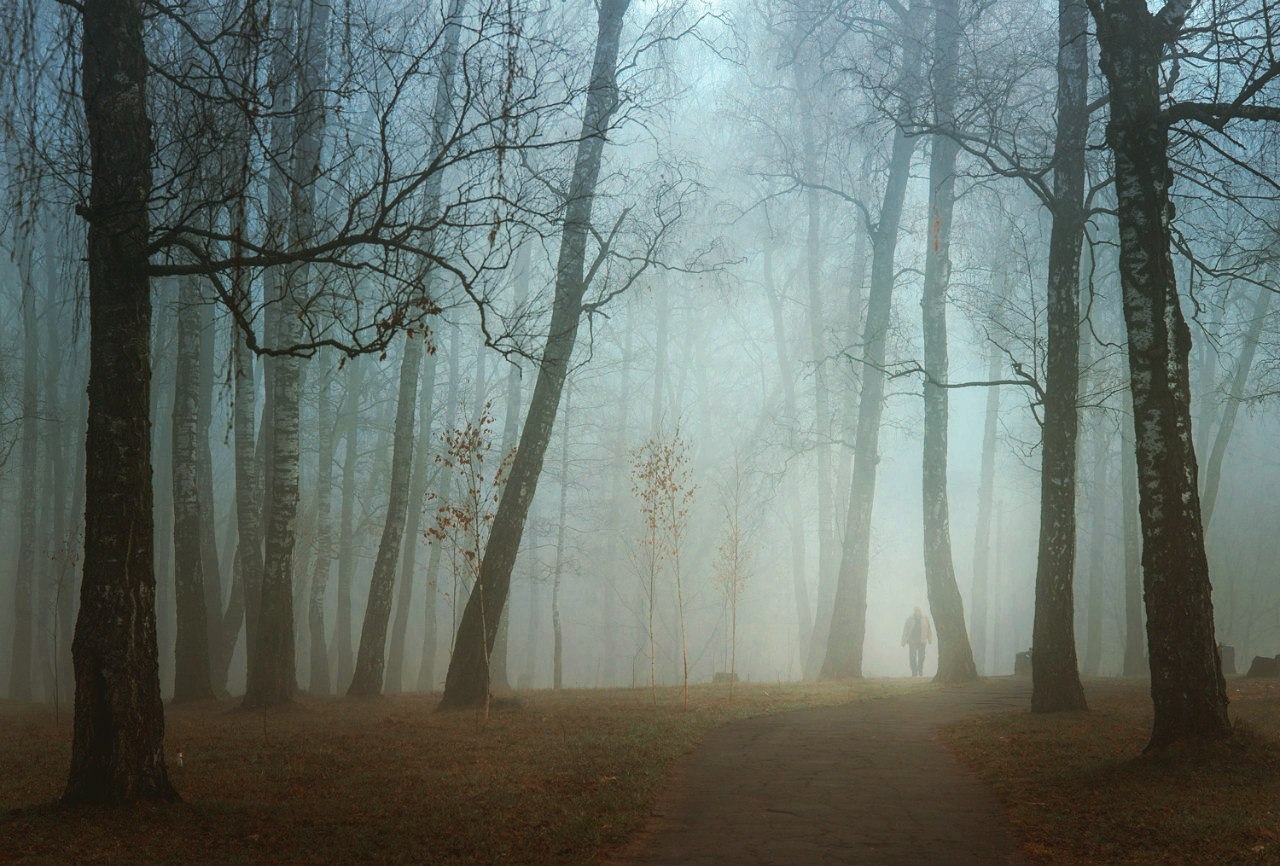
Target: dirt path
[867, 782]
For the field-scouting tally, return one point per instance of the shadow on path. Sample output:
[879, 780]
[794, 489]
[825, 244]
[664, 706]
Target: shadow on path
[867, 782]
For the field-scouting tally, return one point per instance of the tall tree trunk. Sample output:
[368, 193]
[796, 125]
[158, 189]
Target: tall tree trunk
[117, 745]
[981, 603]
[431, 632]
[1055, 678]
[955, 657]
[1135, 644]
[413, 529]
[799, 574]
[1239, 380]
[613, 525]
[272, 678]
[23, 641]
[191, 680]
[827, 549]
[210, 567]
[319, 681]
[64, 547]
[342, 649]
[467, 682]
[1187, 687]
[849, 612]
[371, 657]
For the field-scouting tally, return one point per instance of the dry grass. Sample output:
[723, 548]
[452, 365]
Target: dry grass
[1079, 790]
[558, 778]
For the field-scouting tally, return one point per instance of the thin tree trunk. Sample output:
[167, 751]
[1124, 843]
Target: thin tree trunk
[799, 578]
[557, 657]
[413, 530]
[431, 631]
[1187, 687]
[191, 680]
[1239, 380]
[211, 568]
[467, 682]
[117, 746]
[342, 646]
[613, 524]
[1098, 496]
[1055, 677]
[849, 612]
[955, 657]
[982, 534]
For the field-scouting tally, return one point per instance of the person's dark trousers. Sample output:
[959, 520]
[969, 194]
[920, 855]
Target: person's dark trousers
[917, 660]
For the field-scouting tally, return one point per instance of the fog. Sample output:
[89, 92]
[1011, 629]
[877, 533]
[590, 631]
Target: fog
[728, 263]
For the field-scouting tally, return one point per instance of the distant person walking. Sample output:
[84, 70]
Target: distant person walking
[916, 634]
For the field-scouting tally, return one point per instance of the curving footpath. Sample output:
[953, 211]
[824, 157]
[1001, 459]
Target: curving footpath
[867, 782]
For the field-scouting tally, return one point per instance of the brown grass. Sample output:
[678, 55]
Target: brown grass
[559, 778]
[1079, 790]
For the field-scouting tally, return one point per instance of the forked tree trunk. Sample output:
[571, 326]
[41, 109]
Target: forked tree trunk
[1187, 687]
[955, 657]
[467, 682]
[117, 746]
[1055, 677]
[191, 680]
[849, 610]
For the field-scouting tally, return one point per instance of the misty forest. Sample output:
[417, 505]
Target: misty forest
[481, 431]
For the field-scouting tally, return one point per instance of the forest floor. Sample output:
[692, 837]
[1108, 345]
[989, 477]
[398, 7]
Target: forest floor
[1078, 789]
[555, 778]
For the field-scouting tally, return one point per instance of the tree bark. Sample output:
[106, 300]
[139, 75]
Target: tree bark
[1187, 687]
[557, 655]
[117, 746]
[467, 682]
[211, 568]
[955, 657]
[320, 681]
[191, 678]
[1098, 496]
[849, 610]
[1055, 677]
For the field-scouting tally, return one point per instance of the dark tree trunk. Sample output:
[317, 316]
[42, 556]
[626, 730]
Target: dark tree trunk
[1055, 678]
[1187, 687]
[955, 657]
[467, 682]
[191, 680]
[849, 610]
[1098, 496]
[1135, 644]
[117, 748]
[211, 568]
